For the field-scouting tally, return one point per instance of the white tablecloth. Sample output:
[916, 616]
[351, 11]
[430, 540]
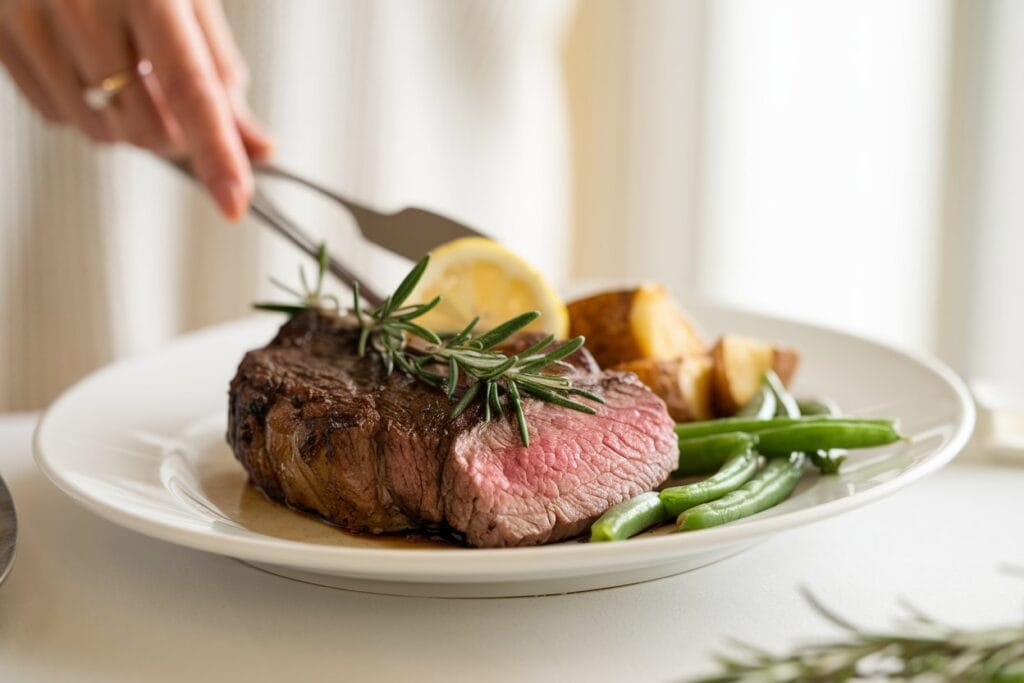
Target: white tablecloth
[89, 601]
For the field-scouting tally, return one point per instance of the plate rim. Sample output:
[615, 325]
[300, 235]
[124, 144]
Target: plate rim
[476, 564]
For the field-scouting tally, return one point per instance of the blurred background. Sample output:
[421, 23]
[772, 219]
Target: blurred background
[855, 163]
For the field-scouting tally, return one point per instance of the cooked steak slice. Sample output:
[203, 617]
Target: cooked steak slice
[320, 429]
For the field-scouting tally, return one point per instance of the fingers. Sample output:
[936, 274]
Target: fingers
[226, 58]
[28, 30]
[169, 35]
[176, 145]
[193, 103]
[234, 75]
[96, 36]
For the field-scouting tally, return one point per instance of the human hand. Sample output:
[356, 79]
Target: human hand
[191, 102]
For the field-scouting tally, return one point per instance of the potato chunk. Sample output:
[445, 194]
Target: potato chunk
[738, 364]
[683, 383]
[635, 324]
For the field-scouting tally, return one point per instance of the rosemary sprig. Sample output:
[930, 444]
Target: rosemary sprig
[468, 359]
[923, 648]
[310, 297]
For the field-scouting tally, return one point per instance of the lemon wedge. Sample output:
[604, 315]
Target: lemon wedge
[476, 276]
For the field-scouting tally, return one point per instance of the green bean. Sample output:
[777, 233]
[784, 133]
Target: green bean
[725, 425]
[821, 459]
[762, 406]
[732, 475]
[706, 454]
[629, 518]
[822, 405]
[824, 435]
[787, 406]
[769, 487]
[827, 462]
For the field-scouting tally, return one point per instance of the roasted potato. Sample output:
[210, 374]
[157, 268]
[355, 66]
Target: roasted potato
[738, 364]
[683, 383]
[785, 362]
[635, 324]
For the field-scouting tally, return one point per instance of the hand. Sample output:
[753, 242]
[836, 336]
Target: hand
[191, 104]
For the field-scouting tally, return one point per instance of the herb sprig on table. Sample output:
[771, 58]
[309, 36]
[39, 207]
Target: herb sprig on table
[923, 649]
[467, 361]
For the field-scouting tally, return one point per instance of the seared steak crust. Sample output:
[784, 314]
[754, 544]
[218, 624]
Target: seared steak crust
[320, 429]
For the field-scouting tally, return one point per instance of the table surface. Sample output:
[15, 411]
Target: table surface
[90, 601]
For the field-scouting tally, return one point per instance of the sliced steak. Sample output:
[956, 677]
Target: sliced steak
[322, 430]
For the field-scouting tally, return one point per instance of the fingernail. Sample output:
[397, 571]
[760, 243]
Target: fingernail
[229, 197]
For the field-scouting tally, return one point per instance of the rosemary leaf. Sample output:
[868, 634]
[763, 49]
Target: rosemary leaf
[417, 311]
[562, 351]
[453, 376]
[536, 348]
[492, 398]
[552, 397]
[408, 284]
[356, 306]
[464, 334]
[418, 330]
[322, 259]
[466, 399]
[333, 299]
[505, 330]
[434, 378]
[291, 309]
[364, 335]
[498, 370]
[566, 349]
[384, 311]
[585, 394]
[402, 362]
[517, 406]
[552, 382]
[285, 288]
[472, 356]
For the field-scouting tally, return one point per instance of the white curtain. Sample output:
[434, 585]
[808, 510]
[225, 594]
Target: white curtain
[855, 163]
[851, 162]
[454, 106]
[984, 330]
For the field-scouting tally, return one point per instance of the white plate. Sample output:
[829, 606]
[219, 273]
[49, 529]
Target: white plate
[141, 443]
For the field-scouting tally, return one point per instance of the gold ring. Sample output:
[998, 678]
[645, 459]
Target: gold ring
[99, 97]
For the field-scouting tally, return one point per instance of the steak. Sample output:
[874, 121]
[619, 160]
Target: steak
[322, 430]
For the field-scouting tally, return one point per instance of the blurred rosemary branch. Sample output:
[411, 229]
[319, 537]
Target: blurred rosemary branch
[922, 649]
